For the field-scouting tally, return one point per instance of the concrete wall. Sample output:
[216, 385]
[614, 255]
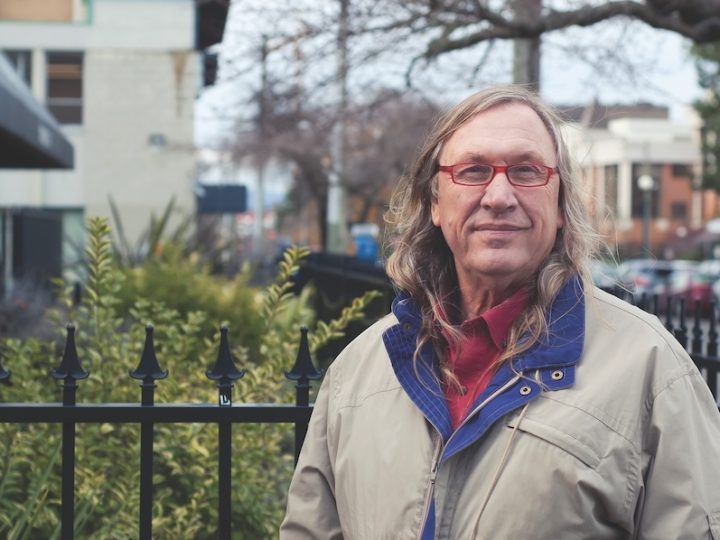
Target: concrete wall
[139, 123]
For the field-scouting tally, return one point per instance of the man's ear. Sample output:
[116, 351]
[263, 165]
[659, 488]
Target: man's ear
[561, 204]
[435, 213]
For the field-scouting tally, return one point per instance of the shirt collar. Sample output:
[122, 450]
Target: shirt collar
[499, 319]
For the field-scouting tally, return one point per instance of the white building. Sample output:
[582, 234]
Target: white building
[122, 77]
[625, 144]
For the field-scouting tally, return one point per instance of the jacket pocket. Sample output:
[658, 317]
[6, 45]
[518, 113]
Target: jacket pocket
[558, 438]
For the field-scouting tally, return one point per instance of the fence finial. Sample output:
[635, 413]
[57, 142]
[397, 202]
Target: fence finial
[224, 365]
[304, 370]
[149, 368]
[70, 367]
[225, 371]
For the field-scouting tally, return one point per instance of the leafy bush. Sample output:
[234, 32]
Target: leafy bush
[183, 284]
[107, 462]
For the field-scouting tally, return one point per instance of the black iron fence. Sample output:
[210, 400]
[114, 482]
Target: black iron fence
[698, 336]
[147, 413]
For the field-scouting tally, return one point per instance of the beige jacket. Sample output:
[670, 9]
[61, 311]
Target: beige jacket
[631, 449]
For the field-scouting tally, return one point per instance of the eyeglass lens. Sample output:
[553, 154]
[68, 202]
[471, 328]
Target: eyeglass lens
[526, 175]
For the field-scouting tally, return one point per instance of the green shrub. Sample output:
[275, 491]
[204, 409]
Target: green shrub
[110, 336]
[183, 284]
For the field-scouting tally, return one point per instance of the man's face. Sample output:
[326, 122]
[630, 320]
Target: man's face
[498, 233]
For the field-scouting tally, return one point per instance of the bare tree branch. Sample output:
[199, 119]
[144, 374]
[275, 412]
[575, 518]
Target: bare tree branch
[698, 31]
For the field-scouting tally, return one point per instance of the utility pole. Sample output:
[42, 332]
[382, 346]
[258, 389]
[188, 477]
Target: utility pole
[526, 52]
[261, 155]
[335, 219]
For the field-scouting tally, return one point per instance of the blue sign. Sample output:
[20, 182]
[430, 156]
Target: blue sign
[221, 198]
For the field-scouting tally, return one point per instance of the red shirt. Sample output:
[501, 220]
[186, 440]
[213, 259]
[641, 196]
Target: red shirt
[482, 343]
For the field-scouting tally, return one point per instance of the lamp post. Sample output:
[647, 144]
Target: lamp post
[646, 184]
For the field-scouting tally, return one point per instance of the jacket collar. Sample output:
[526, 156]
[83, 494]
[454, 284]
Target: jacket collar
[560, 348]
[563, 344]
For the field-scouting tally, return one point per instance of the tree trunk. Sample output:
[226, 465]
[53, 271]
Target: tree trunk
[526, 52]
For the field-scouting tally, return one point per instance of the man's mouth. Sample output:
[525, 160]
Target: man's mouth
[499, 227]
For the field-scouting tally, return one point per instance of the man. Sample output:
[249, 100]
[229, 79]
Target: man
[505, 397]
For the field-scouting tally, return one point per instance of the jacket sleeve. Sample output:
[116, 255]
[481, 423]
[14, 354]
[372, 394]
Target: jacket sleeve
[311, 509]
[682, 475]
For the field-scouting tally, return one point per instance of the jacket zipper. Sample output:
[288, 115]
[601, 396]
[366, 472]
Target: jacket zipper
[431, 485]
[440, 447]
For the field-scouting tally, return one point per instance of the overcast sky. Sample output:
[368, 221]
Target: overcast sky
[666, 76]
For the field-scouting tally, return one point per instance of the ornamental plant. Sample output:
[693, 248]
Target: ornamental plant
[110, 337]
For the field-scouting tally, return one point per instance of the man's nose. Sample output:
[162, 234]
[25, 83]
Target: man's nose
[499, 193]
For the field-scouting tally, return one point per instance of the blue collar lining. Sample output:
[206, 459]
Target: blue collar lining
[561, 349]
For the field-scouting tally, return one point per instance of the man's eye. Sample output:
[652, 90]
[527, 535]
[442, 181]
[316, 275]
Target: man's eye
[474, 169]
[526, 169]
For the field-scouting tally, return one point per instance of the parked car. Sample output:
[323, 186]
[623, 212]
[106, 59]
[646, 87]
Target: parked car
[712, 268]
[695, 286]
[651, 278]
[645, 276]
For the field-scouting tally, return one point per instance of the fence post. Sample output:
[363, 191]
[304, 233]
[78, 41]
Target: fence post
[303, 372]
[681, 330]
[69, 371]
[697, 332]
[712, 345]
[148, 371]
[669, 314]
[224, 372]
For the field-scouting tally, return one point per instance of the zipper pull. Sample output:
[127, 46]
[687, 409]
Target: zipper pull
[435, 463]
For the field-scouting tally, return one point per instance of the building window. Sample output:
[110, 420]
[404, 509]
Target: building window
[73, 235]
[611, 180]
[679, 210]
[638, 197]
[681, 170]
[21, 61]
[65, 86]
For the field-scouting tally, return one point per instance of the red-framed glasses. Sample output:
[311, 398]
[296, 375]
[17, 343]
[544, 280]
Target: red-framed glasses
[481, 174]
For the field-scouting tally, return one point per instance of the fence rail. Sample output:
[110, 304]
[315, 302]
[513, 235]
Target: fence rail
[700, 339]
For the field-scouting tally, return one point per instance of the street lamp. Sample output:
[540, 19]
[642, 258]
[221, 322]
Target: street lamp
[646, 184]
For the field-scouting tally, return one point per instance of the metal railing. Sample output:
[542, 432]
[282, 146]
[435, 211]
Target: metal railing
[147, 413]
[698, 335]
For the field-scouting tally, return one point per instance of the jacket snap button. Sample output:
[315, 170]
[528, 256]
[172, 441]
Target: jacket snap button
[525, 390]
[557, 375]
[407, 327]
